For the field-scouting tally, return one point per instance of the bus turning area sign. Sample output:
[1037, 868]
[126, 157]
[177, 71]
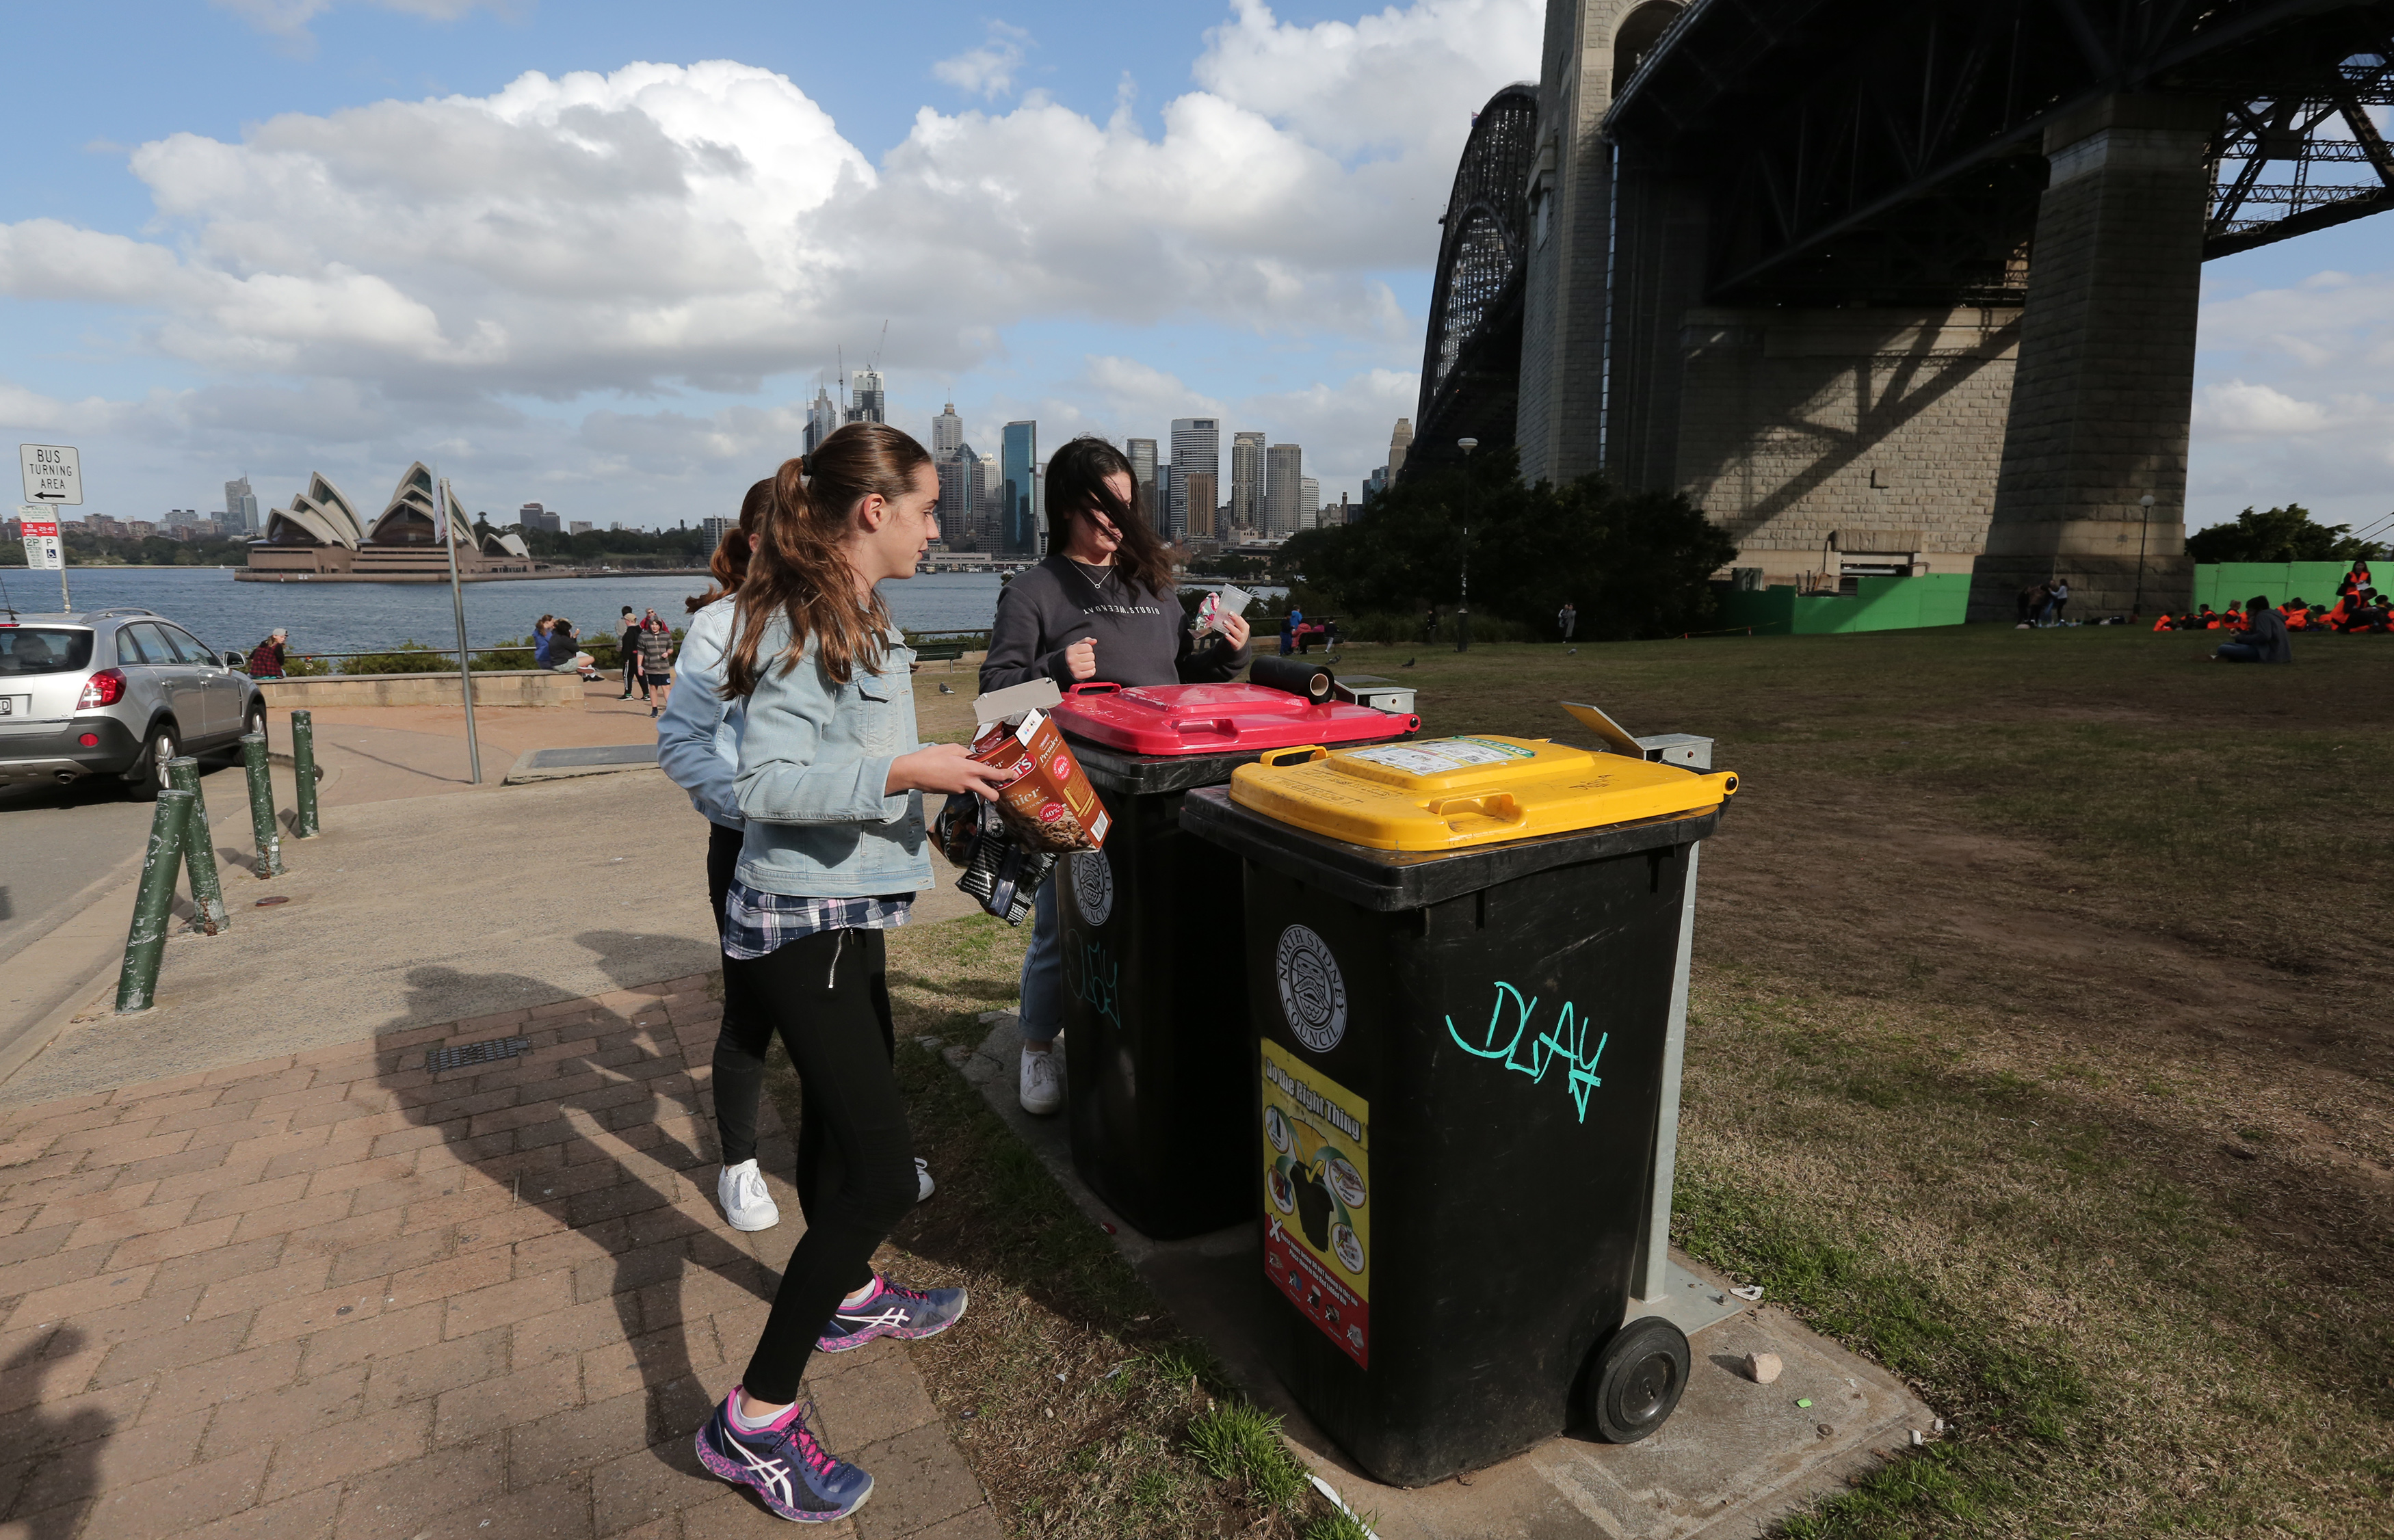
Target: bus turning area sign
[53, 475]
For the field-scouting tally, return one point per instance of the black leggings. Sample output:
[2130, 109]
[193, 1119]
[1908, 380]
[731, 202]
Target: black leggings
[739, 1075]
[828, 998]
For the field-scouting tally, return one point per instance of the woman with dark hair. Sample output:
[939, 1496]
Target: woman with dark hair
[1102, 606]
[828, 789]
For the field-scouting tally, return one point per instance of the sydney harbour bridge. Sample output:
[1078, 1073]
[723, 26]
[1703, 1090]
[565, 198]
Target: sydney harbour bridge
[1891, 285]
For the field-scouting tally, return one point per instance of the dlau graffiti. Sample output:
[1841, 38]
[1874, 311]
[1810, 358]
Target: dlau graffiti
[1565, 1043]
[1093, 976]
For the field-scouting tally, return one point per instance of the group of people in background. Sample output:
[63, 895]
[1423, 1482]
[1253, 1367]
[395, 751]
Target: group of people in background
[2042, 603]
[2259, 630]
[795, 735]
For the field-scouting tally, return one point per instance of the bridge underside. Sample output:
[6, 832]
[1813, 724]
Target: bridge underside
[1911, 285]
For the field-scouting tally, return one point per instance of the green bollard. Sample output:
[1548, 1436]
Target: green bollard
[303, 770]
[261, 806]
[200, 851]
[137, 986]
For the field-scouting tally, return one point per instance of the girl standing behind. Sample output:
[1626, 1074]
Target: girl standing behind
[656, 661]
[1103, 606]
[828, 782]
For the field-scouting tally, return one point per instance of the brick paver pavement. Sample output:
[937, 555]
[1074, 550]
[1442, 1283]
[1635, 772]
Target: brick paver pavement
[332, 1295]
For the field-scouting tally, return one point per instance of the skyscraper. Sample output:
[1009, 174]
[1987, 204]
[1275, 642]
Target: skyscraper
[1196, 448]
[864, 399]
[959, 496]
[1399, 441]
[1203, 497]
[1246, 478]
[822, 418]
[1284, 476]
[947, 432]
[1308, 503]
[989, 488]
[240, 507]
[1018, 532]
[1142, 474]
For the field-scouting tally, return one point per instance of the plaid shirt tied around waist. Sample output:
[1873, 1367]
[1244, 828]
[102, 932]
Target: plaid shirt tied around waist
[756, 924]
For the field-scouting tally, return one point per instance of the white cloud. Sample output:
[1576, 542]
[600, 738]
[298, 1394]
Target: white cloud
[988, 70]
[2255, 411]
[289, 19]
[364, 279]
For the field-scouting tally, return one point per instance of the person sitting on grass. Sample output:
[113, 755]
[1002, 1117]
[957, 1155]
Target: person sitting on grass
[2265, 639]
[2165, 624]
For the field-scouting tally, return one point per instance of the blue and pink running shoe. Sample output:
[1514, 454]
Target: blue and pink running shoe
[891, 1310]
[783, 1465]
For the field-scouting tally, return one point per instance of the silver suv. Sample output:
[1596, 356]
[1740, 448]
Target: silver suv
[113, 692]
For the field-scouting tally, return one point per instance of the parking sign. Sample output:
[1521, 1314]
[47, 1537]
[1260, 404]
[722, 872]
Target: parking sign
[53, 475]
[42, 553]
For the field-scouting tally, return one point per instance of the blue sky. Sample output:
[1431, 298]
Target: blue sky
[242, 236]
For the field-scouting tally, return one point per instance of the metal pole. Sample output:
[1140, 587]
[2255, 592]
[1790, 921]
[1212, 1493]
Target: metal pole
[199, 850]
[1463, 610]
[303, 774]
[137, 984]
[464, 662]
[261, 806]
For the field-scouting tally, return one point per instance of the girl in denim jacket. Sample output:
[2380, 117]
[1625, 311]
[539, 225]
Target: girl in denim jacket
[829, 787]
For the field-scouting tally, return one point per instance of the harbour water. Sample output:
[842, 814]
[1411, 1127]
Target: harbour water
[362, 617]
[357, 617]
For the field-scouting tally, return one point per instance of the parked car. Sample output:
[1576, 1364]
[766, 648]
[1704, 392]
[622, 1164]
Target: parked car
[115, 692]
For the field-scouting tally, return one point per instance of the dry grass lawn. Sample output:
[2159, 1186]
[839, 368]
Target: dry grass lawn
[2042, 1047]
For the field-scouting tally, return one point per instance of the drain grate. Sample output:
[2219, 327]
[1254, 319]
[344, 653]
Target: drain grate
[464, 1054]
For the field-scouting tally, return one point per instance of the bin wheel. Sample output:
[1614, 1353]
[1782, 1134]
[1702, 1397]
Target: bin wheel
[1636, 1380]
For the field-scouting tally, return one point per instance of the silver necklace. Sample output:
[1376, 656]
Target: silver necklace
[1096, 587]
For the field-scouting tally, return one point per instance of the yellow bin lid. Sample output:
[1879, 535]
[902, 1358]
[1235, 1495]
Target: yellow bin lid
[1449, 794]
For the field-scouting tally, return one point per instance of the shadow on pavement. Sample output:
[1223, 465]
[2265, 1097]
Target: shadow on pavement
[589, 1132]
[49, 1465]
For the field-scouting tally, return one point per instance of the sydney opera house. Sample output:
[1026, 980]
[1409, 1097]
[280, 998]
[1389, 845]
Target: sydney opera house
[319, 537]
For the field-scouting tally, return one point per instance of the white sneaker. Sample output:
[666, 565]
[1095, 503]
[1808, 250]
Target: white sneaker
[1042, 1084]
[923, 1185]
[741, 1190]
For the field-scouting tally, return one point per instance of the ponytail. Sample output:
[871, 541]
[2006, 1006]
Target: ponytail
[800, 569]
[730, 562]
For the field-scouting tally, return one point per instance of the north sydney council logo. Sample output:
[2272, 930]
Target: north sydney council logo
[1312, 994]
[1093, 885]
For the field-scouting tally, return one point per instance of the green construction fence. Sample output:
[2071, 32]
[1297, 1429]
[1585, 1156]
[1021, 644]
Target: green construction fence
[1880, 604]
[2223, 583]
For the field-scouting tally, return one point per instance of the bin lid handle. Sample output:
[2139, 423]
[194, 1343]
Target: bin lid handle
[1303, 754]
[1094, 687]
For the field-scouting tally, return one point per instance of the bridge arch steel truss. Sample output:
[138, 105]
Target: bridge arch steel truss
[1890, 150]
[1471, 360]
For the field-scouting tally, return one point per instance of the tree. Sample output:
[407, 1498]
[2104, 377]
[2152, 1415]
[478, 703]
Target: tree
[1634, 564]
[2280, 535]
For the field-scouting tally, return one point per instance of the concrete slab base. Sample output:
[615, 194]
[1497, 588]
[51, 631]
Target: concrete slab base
[560, 764]
[1734, 1457]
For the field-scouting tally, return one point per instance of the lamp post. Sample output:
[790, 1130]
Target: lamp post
[1463, 610]
[2144, 530]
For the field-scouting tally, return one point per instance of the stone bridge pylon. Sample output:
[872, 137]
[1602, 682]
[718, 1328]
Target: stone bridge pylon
[1895, 286]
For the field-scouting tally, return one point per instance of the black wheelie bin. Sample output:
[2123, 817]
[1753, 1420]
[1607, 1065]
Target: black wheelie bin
[1155, 1010]
[1461, 960]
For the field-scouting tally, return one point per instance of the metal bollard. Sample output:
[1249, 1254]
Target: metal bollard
[261, 806]
[200, 849]
[303, 770]
[138, 984]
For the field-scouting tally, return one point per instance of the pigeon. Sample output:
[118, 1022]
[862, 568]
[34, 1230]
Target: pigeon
[1407, 663]
[945, 691]
[1574, 652]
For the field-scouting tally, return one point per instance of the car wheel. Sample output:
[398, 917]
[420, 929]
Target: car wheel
[146, 777]
[254, 720]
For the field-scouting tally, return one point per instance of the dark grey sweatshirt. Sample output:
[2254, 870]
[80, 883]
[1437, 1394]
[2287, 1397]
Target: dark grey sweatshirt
[1141, 638]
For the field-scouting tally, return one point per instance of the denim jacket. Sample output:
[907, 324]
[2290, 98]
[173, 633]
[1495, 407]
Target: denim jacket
[813, 758]
[698, 740]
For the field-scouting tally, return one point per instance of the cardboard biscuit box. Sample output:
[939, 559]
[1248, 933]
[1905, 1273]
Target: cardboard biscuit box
[1048, 804]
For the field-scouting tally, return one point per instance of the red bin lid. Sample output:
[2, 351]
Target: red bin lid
[1215, 719]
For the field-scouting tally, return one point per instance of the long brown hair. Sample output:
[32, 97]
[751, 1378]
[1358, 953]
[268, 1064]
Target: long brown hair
[730, 562]
[801, 568]
[1077, 481]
